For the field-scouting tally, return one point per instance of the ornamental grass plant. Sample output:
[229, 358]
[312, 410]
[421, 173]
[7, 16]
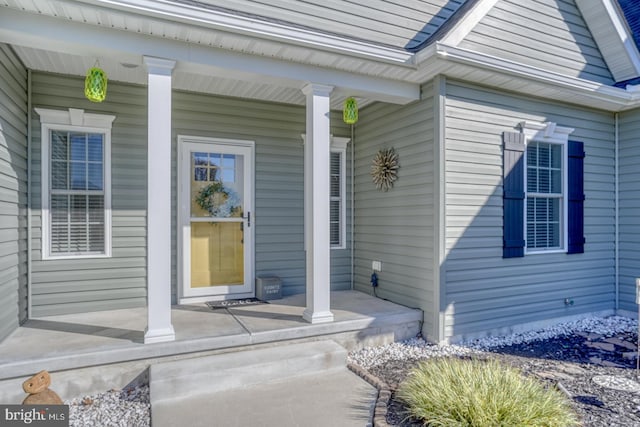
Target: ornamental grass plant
[474, 393]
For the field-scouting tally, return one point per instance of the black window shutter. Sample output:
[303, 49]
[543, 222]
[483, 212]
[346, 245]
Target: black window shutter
[513, 195]
[575, 171]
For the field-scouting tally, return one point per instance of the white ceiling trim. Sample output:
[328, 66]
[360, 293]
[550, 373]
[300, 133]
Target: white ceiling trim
[255, 27]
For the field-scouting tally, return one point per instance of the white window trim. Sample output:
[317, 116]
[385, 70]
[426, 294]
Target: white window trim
[548, 132]
[339, 145]
[74, 120]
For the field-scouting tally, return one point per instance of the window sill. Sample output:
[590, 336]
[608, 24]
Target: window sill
[550, 251]
[65, 257]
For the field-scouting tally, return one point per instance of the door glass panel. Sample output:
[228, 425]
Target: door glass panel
[217, 250]
[217, 226]
[217, 187]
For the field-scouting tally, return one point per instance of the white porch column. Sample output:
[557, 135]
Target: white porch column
[159, 327]
[316, 203]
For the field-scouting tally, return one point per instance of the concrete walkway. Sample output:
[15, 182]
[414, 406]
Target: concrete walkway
[338, 398]
[298, 384]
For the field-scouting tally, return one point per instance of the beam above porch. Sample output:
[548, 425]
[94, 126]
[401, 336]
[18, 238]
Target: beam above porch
[37, 31]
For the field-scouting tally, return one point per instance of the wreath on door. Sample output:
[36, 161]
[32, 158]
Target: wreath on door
[219, 201]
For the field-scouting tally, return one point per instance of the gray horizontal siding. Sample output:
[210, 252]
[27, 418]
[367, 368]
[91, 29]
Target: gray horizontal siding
[65, 286]
[396, 227]
[279, 175]
[549, 34]
[80, 285]
[13, 191]
[629, 198]
[483, 290]
[378, 21]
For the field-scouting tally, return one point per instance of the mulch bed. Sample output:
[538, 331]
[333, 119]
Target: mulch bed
[569, 363]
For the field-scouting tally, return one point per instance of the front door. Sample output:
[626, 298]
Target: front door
[215, 197]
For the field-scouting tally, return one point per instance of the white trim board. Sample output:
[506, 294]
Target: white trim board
[73, 120]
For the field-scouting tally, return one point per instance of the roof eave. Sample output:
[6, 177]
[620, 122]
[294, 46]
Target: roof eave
[593, 94]
[613, 37]
[253, 27]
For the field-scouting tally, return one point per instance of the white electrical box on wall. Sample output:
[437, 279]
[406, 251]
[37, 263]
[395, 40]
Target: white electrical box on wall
[376, 265]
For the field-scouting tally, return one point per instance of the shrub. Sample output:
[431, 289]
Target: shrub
[475, 393]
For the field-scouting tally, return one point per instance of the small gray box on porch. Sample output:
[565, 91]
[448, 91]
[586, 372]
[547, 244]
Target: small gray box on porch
[268, 288]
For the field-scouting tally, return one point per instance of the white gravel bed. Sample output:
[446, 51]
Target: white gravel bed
[416, 348]
[122, 408]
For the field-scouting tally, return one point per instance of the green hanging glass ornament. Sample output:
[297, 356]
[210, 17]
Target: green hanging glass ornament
[95, 85]
[350, 111]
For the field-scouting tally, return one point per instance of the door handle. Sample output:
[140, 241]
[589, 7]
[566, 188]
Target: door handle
[248, 218]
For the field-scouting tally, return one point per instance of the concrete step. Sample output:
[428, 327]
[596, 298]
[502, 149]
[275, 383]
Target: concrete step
[337, 398]
[210, 374]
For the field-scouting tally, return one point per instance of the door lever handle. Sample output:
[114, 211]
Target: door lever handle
[248, 218]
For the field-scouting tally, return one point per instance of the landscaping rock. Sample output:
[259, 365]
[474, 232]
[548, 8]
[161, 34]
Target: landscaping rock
[600, 345]
[557, 355]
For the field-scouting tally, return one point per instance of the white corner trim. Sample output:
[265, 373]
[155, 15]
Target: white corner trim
[199, 15]
[74, 117]
[468, 22]
[545, 132]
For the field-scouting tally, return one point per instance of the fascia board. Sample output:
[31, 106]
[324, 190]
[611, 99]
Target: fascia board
[624, 99]
[193, 14]
[609, 29]
[472, 18]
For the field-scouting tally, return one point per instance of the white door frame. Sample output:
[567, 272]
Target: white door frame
[183, 231]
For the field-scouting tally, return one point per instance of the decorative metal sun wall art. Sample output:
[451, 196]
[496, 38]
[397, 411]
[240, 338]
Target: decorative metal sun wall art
[384, 169]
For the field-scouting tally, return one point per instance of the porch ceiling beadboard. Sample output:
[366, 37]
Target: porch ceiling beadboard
[483, 290]
[80, 285]
[396, 227]
[278, 216]
[13, 191]
[629, 181]
[548, 34]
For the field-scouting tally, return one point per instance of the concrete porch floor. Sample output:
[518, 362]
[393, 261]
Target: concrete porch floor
[71, 342]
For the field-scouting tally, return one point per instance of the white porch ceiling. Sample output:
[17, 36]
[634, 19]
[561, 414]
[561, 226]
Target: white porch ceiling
[134, 72]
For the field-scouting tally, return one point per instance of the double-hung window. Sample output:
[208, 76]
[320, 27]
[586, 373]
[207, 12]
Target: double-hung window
[337, 200]
[545, 196]
[76, 187]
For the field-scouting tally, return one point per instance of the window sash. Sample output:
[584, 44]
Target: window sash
[545, 196]
[336, 199]
[76, 193]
